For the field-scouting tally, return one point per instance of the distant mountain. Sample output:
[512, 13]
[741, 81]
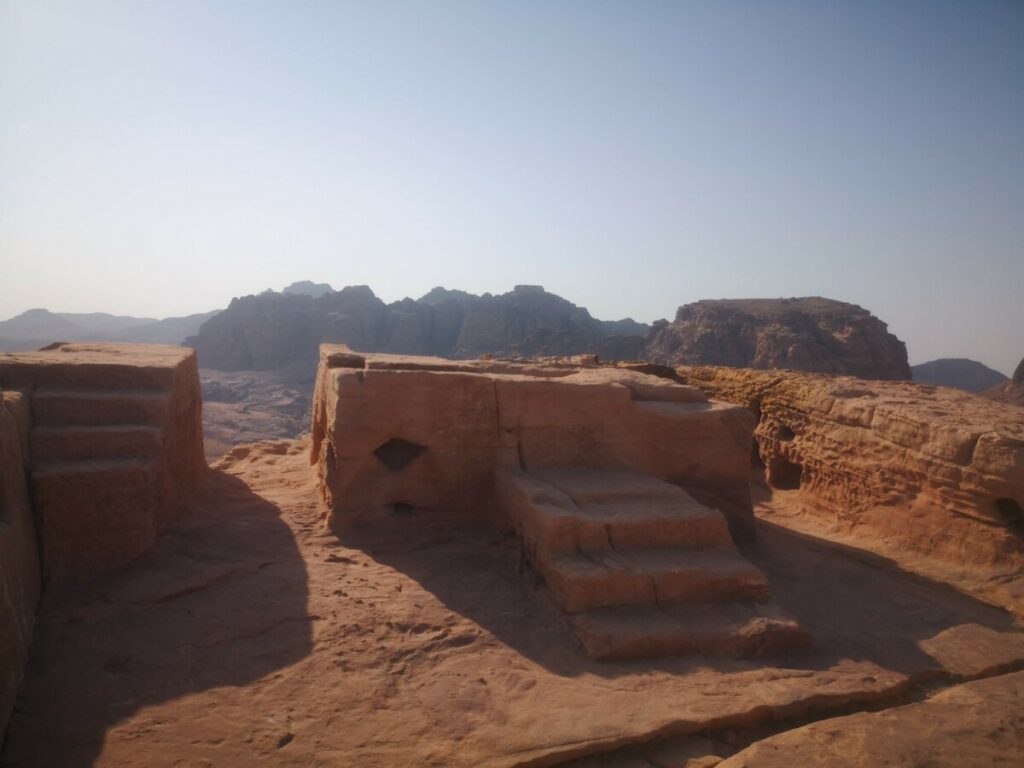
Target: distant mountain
[38, 327]
[804, 334]
[171, 330]
[957, 372]
[38, 324]
[278, 330]
[308, 288]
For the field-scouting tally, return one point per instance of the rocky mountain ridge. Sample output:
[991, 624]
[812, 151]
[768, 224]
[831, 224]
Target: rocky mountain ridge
[283, 331]
[35, 328]
[275, 331]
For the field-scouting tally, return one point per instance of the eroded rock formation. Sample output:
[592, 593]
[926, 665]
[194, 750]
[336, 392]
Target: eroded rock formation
[806, 334]
[20, 581]
[932, 477]
[116, 448]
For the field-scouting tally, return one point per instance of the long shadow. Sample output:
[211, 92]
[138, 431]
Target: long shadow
[220, 601]
[853, 609]
[859, 605]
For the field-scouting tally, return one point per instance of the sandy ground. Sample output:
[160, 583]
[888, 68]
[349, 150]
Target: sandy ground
[253, 636]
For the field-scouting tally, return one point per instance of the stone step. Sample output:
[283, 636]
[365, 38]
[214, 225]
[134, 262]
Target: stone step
[80, 443]
[594, 486]
[650, 515]
[584, 582]
[56, 407]
[735, 629]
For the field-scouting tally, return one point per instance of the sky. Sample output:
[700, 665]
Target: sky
[157, 159]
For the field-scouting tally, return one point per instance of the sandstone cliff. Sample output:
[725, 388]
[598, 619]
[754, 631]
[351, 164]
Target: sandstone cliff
[281, 331]
[930, 477]
[808, 334]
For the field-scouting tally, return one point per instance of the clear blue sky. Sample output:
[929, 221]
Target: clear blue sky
[159, 158]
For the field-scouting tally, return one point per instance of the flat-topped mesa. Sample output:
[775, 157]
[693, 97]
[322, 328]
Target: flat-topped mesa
[928, 476]
[623, 486]
[115, 445]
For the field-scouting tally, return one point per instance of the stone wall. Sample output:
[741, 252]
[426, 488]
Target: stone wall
[115, 448]
[19, 561]
[394, 434]
[927, 476]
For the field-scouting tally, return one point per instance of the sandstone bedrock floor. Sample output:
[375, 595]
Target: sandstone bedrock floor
[251, 635]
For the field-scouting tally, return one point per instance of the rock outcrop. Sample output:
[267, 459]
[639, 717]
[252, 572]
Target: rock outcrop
[284, 331]
[1010, 392]
[930, 477]
[116, 449]
[807, 334]
[960, 373]
[20, 581]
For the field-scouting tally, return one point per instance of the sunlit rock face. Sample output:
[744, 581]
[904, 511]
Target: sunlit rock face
[806, 334]
[931, 475]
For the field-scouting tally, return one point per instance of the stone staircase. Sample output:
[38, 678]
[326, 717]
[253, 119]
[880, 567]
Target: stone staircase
[641, 568]
[95, 471]
[114, 448]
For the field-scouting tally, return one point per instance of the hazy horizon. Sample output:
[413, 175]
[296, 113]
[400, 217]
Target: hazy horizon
[158, 159]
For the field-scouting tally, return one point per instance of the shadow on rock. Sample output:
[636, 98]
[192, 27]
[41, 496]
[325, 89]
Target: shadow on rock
[853, 608]
[221, 601]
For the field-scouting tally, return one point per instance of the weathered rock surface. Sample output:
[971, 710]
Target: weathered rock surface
[959, 373]
[252, 636]
[807, 334]
[284, 330]
[974, 724]
[932, 478]
[20, 578]
[1010, 392]
[115, 445]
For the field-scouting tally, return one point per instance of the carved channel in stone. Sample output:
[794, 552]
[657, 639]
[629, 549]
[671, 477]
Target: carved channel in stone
[396, 454]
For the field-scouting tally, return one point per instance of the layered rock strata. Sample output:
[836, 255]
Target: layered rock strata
[930, 477]
[612, 478]
[115, 447]
[19, 562]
